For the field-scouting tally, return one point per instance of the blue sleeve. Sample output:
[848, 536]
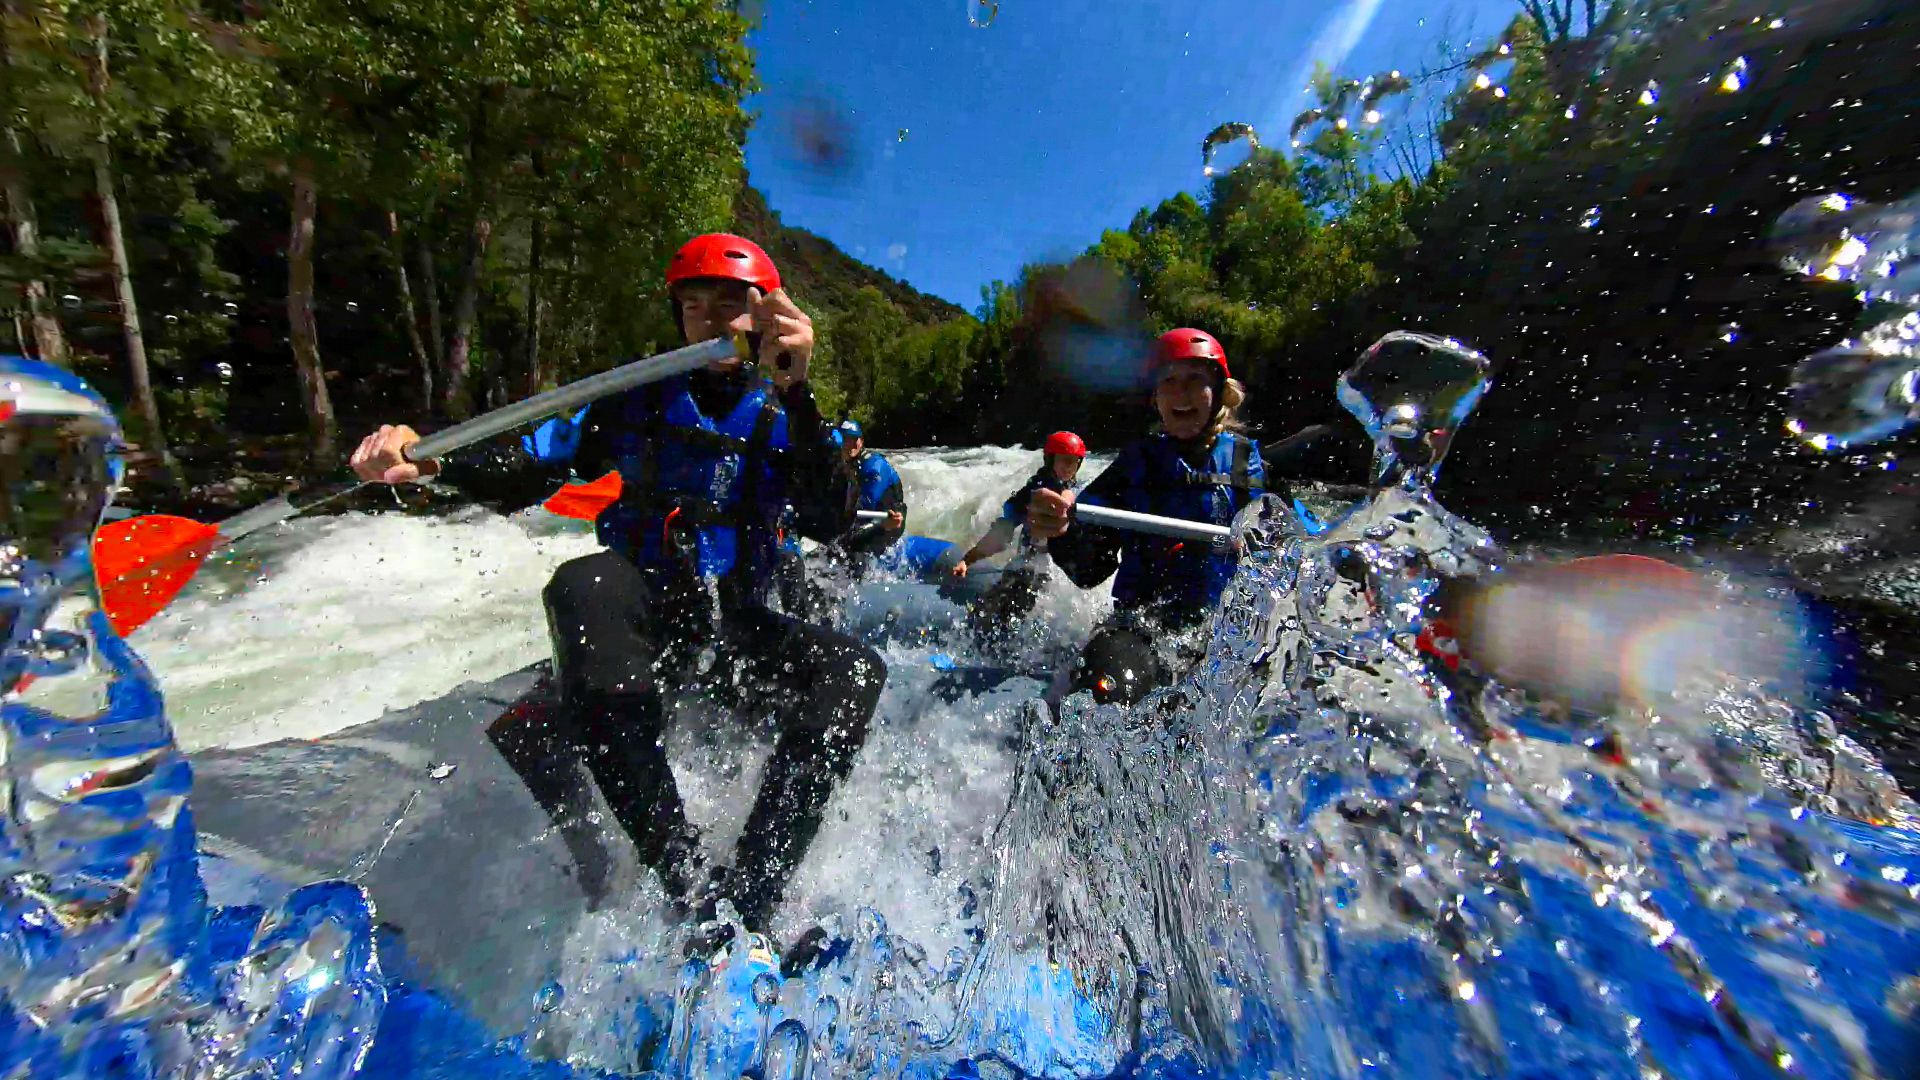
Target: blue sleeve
[558, 440]
[879, 484]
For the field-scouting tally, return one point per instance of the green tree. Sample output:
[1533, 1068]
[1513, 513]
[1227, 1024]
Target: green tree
[87, 81]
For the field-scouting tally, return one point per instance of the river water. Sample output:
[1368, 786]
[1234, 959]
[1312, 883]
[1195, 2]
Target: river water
[1316, 856]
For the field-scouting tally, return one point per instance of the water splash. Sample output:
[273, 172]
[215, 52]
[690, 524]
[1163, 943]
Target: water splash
[1863, 389]
[1322, 853]
[1412, 392]
[1327, 853]
[1225, 135]
[111, 967]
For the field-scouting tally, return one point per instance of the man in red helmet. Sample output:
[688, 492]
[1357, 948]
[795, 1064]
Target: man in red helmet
[713, 464]
[1014, 594]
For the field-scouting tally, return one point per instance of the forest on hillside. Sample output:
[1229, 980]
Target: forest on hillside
[261, 224]
[1588, 201]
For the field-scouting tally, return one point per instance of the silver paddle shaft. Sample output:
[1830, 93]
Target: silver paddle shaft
[499, 421]
[1108, 517]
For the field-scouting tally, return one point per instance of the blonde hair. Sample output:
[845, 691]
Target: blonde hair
[1226, 418]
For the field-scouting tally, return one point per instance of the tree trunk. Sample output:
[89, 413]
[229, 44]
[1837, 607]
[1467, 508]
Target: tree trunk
[534, 375]
[430, 284]
[397, 252]
[136, 342]
[48, 339]
[466, 304]
[301, 329]
[465, 308]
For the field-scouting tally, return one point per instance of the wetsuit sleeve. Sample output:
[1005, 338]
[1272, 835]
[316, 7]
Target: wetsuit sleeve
[514, 473]
[1086, 554]
[872, 536]
[819, 483]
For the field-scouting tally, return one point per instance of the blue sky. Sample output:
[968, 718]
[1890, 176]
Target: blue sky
[1027, 138]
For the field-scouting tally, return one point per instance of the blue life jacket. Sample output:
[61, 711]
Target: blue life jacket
[1156, 479]
[876, 476]
[698, 493]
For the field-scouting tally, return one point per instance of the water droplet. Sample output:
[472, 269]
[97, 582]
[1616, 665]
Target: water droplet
[1372, 116]
[443, 770]
[1651, 95]
[1482, 81]
[1850, 395]
[1226, 135]
[1869, 245]
[902, 136]
[1412, 392]
[766, 990]
[1734, 79]
[1591, 218]
[981, 13]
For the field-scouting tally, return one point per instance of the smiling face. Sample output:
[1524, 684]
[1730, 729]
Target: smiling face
[712, 308]
[1186, 395]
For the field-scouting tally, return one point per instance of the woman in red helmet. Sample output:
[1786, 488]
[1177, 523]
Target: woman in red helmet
[1013, 596]
[711, 464]
[1196, 467]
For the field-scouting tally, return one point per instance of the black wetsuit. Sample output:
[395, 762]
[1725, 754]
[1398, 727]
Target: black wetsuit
[625, 634]
[1014, 595]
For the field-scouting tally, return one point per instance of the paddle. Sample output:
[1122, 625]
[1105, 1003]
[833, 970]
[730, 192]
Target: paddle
[585, 501]
[142, 563]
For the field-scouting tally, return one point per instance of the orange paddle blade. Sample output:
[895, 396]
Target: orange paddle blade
[585, 501]
[142, 563]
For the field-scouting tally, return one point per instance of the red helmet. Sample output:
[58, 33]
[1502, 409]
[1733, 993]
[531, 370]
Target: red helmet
[1187, 343]
[723, 255]
[1066, 442]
